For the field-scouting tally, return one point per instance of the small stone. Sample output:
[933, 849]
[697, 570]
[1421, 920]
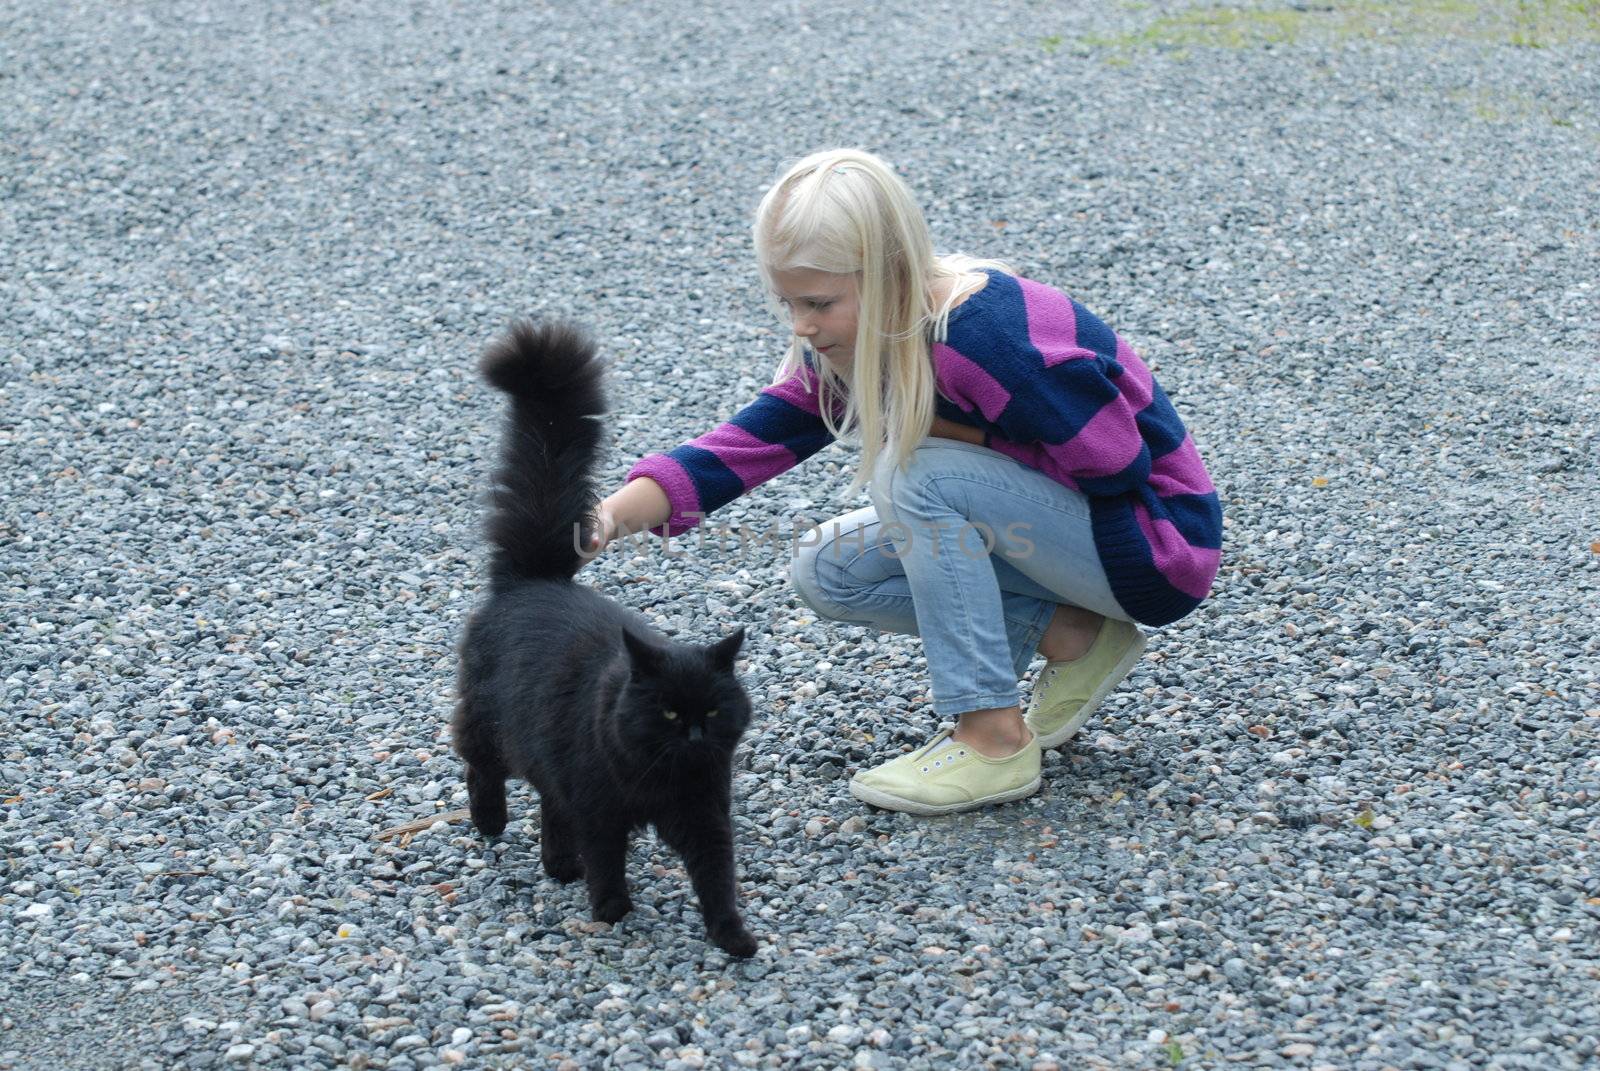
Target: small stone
[844, 1034]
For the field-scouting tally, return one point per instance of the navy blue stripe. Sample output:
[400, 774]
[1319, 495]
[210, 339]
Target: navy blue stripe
[1198, 518]
[773, 420]
[714, 483]
[994, 324]
[1093, 334]
[1055, 403]
[1134, 476]
[1159, 425]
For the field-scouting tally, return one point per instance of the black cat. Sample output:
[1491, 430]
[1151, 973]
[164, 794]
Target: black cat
[616, 726]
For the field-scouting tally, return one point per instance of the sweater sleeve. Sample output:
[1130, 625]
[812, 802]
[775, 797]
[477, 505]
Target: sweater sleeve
[781, 428]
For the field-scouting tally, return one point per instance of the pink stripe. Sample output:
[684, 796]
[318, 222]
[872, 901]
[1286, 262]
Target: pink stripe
[966, 384]
[1180, 472]
[1136, 383]
[1109, 443]
[1189, 569]
[751, 459]
[681, 495]
[799, 390]
[1052, 325]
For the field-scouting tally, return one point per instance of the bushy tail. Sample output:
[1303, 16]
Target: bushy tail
[544, 489]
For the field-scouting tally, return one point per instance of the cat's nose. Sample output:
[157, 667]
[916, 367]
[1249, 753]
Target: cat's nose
[696, 732]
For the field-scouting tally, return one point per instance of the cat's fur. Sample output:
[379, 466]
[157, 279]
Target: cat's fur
[616, 726]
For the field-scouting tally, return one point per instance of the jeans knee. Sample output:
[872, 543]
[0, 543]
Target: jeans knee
[805, 575]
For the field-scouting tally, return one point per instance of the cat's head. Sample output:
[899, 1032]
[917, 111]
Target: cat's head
[683, 696]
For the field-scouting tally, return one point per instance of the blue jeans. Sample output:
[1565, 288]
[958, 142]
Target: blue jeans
[968, 549]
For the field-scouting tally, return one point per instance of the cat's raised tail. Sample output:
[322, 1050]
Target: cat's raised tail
[544, 493]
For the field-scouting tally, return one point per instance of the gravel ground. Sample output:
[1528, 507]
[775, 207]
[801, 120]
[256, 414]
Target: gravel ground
[1341, 817]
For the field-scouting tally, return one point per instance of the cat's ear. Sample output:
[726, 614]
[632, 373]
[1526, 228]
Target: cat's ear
[724, 651]
[645, 656]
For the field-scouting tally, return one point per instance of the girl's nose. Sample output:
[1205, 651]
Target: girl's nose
[804, 327]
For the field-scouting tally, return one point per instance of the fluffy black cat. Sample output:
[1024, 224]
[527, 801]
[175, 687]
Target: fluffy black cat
[616, 726]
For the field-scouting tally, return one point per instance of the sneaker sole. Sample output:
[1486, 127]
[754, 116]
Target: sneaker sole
[891, 802]
[1118, 674]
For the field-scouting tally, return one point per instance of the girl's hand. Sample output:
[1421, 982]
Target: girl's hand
[600, 535]
[638, 505]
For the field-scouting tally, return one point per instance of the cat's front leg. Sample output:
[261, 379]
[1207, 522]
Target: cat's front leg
[605, 850]
[486, 796]
[705, 842]
[558, 849]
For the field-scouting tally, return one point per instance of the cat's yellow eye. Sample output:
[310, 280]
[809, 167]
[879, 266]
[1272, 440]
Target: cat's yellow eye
[711, 713]
[670, 715]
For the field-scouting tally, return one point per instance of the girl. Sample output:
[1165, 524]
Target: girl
[1032, 488]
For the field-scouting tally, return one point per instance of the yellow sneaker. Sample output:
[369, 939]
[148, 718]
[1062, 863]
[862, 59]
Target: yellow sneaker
[1066, 693]
[945, 775]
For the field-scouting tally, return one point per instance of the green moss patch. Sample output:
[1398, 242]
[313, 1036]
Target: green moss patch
[1523, 23]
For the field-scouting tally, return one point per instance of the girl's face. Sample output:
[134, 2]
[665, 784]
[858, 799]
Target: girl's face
[822, 308]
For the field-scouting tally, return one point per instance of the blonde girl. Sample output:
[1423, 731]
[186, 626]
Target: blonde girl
[1032, 488]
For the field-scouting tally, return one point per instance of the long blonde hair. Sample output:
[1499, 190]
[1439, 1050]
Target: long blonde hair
[846, 212]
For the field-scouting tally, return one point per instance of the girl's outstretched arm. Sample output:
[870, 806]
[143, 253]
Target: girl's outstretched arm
[637, 505]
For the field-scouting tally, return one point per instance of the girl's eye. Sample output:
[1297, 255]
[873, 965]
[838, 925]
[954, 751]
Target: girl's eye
[822, 306]
[711, 713]
[670, 715]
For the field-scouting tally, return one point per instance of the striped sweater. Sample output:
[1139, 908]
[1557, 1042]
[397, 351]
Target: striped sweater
[1048, 384]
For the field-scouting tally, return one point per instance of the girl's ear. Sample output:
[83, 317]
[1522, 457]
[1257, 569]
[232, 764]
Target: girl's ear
[645, 656]
[724, 651]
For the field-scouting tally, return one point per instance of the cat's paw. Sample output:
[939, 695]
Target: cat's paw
[564, 868]
[490, 820]
[612, 908]
[734, 939]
